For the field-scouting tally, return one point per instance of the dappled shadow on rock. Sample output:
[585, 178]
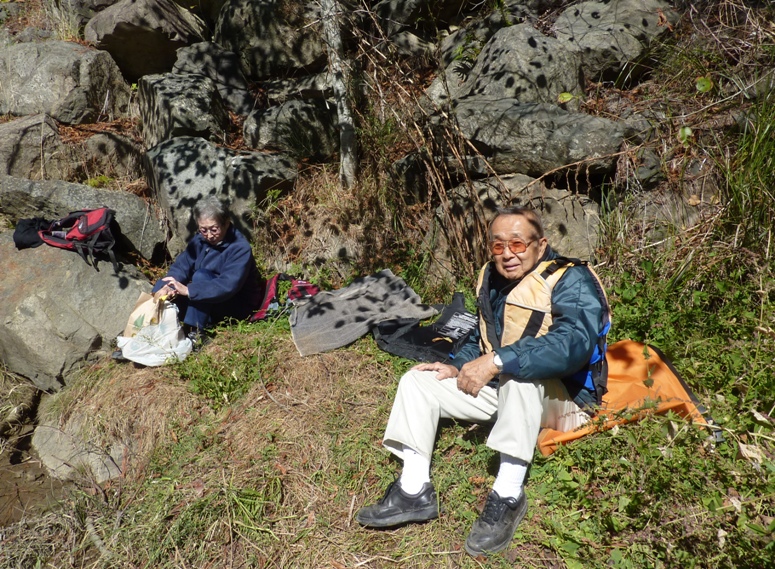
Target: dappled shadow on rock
[183, 170]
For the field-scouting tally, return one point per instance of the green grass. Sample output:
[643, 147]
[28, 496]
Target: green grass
[223, 377]
[751, 179]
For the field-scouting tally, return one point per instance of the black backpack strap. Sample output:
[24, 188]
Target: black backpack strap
[86, 250]
[82, 250]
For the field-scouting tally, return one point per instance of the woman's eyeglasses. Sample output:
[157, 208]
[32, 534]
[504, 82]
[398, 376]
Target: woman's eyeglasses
[516, 246]
[206, 230]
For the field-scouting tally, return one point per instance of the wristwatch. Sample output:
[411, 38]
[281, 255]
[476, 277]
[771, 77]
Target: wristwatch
[496, 359]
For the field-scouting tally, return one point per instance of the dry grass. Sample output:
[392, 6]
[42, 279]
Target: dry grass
[327, 233]
[279, 474]
[133, 406]
[16, 400]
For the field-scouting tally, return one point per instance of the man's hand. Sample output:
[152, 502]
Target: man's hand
[476, 374]
[443, 371]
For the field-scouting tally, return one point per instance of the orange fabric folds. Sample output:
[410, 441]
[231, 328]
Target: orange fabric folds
[640, 381]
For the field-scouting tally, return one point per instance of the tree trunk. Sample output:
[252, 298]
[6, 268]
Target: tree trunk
[348, 145]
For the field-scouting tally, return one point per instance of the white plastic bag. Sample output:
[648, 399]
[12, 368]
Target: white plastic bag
[157, 344]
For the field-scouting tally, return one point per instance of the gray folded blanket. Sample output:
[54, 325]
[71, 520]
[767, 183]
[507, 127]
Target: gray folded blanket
[332, 319]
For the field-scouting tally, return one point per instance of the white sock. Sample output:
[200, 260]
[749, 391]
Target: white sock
[416, 472]
[511, 477]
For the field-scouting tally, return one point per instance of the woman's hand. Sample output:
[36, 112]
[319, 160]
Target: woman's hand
[172, 288]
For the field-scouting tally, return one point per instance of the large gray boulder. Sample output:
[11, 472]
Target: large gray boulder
[535, 138]
[108, 428]
[174, 105]
[183, 170]
[303, 129]
[517, 63]
[71, 83]
[413, 173]
[67, 455]
[78, 11]
[52, 199]
[272, 37]
[31, 147]
[106, 154]
[612, 35]
[143, 35]
[211, 60]
[571, 220]
[58, 312]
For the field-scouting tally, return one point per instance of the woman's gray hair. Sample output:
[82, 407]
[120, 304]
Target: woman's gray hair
[212, 208]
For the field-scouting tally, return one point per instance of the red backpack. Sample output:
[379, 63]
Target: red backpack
[300, 290]
[86, 231]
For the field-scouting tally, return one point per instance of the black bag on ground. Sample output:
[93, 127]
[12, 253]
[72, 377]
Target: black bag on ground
[25, 235]
[437, 342]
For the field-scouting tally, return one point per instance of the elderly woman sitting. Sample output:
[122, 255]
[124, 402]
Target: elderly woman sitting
[216, 276]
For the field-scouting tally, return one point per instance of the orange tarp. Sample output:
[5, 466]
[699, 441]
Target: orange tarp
[640, 381]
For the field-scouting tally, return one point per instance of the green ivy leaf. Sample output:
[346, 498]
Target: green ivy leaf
[565, 97]
[684, 134]
[704, 84]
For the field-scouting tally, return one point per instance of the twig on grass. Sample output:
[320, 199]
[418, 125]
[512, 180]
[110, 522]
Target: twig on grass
[350, 513]
[96, 540]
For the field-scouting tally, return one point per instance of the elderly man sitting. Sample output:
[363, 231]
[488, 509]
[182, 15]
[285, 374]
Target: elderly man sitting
[537, 360]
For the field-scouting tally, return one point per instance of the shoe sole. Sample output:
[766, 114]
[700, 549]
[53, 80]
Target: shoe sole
[400, 519]
[501, 546]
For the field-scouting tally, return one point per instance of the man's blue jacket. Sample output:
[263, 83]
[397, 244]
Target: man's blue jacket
[577, 319]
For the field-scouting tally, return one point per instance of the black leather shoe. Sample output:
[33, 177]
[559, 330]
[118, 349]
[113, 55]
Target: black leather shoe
[199, 339]
[496, 524]
[397, 507]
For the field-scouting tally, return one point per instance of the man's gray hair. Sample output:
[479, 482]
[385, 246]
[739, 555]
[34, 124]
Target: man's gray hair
[211, 207]
[530, 215]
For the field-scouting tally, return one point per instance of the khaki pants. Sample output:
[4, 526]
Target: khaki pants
[518, 409]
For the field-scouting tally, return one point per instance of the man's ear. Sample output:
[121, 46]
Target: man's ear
[542, 243]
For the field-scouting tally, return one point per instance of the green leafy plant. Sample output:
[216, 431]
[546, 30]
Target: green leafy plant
[224, 378]
[100, 181]
[684, 135]
[703, 84]
[565, 97]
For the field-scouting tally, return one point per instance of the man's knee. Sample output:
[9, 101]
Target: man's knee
[512, 389]
[415, 381]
